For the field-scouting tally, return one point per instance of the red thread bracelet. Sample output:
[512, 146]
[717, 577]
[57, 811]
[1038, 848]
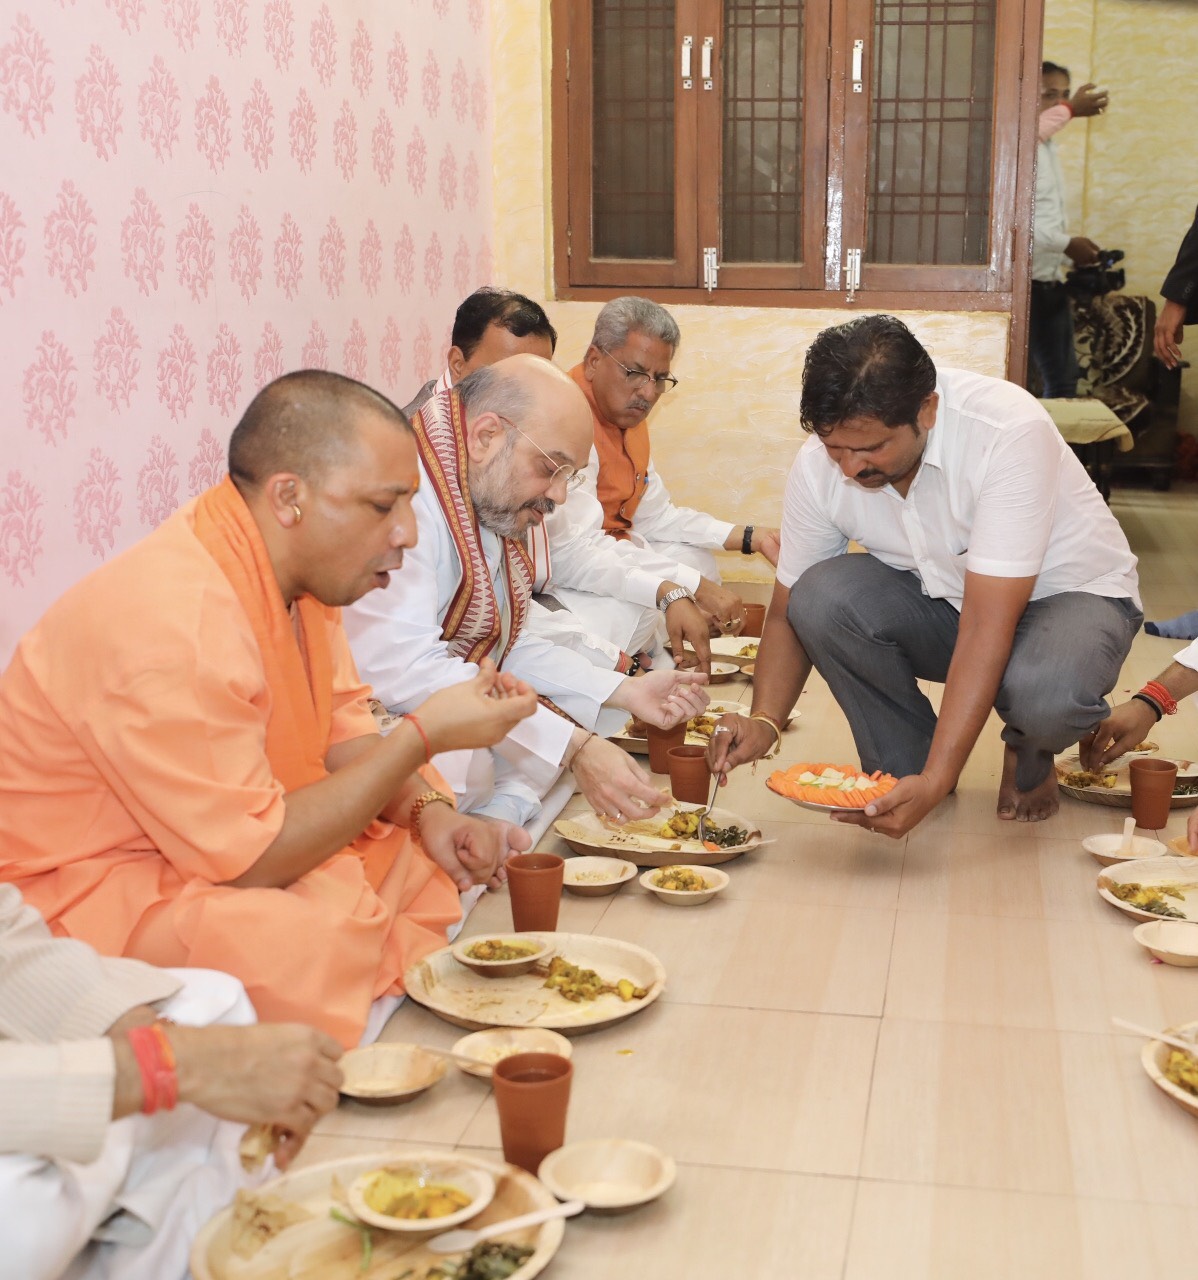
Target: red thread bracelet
[428, 750]
[1158, 693]
[159, 1084]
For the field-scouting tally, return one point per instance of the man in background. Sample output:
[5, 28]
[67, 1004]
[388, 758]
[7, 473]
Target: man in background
[1050, 333]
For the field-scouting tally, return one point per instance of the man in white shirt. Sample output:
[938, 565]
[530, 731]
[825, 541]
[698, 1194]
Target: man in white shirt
[625, 371]
[497, 452]
[571, 550]
[1050, 332]
[993, 566]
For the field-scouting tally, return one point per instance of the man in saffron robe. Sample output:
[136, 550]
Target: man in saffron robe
[189, 770]
[625, 371]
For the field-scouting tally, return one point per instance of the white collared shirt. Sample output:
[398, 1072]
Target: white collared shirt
[1050, 222]
[998, 492]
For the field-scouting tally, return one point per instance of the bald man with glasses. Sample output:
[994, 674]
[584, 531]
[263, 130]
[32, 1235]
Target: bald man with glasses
[625, 371]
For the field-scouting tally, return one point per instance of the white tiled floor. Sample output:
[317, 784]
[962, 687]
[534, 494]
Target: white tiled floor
[881, 1060]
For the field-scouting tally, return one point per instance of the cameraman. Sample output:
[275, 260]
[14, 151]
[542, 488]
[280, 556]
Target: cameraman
[1050, 333]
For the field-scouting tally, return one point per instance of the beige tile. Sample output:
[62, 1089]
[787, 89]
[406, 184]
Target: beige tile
[1024, 1110]
[1003, 875]
[906, 1232]
[325, 1146]
[761, 954]
[715, 1224]
[1060, 975]
[742, 1088]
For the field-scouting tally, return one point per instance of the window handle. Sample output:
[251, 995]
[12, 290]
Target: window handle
[858, 65]
[708, 45]
[687, 42]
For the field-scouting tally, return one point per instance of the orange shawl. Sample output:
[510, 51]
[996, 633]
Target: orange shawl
[623, 463]
[297, 731]
[474, 625]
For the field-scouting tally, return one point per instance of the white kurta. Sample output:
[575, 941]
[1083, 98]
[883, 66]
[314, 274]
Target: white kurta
[611, 584]
[133, 1210]
[395, 635]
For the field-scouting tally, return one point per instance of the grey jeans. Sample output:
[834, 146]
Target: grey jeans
[872, 633]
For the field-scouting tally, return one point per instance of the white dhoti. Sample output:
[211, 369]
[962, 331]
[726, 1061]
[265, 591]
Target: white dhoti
[132, 1213]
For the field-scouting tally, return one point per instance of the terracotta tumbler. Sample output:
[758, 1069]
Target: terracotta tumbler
[660, 741]
[534, 881]
[690, 778]
[754, 620]
[532, 1092]
[1152, 784]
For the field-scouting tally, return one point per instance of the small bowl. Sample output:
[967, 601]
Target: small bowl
[386, 1074]
[476, 1183]
[494, 1043]
[722, 672]
[749, 670]
[1105, 849]
[616, 871]
[608, 1175]
[1173, 941]
[717, 881]
[502, 968]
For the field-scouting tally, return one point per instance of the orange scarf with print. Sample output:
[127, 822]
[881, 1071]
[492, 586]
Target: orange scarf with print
[474, 626]
[623, 464]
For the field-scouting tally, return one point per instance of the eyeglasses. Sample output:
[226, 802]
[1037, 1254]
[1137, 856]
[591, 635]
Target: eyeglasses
[571, 475]
[637, 378]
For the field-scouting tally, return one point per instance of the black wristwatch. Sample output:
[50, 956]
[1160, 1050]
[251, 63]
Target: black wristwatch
[746, 543]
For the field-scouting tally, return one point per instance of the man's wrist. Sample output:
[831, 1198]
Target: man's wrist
[673, 596]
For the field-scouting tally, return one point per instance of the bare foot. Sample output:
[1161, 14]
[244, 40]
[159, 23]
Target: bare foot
[1026, 806]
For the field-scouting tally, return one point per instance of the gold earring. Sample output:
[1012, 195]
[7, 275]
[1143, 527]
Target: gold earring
[299, 515]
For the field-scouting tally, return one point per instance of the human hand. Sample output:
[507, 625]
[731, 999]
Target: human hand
[1089, 100]
[663, 698]
[1081, 251]
[281, 1074]
[687, 626]
[476, 713]
[470, 850]
[769, 543]
[1192, 831]
[726, 608]
[1166, 337]
[613, 784]
[1124, 728]
[737, 740]
[904, 806]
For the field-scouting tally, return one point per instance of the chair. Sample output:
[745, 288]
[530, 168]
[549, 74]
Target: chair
[1114, 350]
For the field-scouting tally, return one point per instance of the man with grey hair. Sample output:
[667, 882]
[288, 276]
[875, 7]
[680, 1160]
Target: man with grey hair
[498, 451]
[625, 371]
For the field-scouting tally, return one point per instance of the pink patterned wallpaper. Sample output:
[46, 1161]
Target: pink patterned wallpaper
[196, 196]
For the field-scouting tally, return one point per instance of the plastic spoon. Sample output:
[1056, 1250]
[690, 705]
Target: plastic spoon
[1129, 825]
[462, 1239]
[1189, 1046]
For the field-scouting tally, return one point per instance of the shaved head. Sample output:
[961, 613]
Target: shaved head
[306, 423]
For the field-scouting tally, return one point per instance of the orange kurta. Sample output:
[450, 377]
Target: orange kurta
[623, 463]
[142, 765]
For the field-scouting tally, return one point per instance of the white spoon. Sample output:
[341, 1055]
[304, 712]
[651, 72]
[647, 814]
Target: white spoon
[1129, 825]
[462, 1239]
[1189, 1046]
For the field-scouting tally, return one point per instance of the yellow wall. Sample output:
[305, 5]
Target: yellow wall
[725, 439]
[1133, 183]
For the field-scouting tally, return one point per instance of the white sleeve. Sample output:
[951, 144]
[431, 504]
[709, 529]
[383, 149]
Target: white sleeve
[585, 558]
[395, 635]
[1016, 503]
[659, 520]
[808, 532]
[561, 627]
[1188, 657]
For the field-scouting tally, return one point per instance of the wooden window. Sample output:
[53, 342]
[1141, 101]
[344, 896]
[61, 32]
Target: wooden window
[798, 152]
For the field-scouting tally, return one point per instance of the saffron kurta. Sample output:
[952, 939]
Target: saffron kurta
[141, 766]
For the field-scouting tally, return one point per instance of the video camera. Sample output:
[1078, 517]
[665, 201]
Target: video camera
[1101, 277]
